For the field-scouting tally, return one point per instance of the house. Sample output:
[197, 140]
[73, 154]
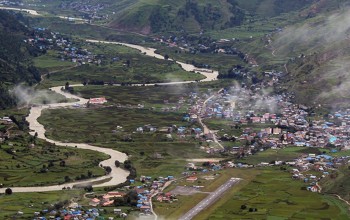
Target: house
[97, 101]
[108, 203]
[117, 211]
[145, 208]
[94, 202]
[191, 179]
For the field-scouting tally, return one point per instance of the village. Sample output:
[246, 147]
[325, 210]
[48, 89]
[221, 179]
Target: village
[265, 122]
[67, 50]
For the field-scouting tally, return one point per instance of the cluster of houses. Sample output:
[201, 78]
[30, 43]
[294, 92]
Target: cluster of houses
[90, 11]
[5, 122]
[44, 40]
[281, 122]
[321, 165]
[107, 199]
[145, 192]
[11, 3]
[75, 212]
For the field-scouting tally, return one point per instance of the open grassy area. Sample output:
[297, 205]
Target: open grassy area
[216, 61]
[51, 62]
[142, 70]
[285, 154]
[159, 159]
[157, 96]
[90, 124]
[337, 183]
[29, 203]
[276, 196]
[24, 164]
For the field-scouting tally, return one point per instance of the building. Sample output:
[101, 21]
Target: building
[97, 101]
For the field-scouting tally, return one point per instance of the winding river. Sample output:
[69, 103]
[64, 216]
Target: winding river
[117, 175]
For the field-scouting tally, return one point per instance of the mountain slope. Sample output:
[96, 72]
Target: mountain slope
[15, 57]
[319, 58]
[193, 16]
[154, 16]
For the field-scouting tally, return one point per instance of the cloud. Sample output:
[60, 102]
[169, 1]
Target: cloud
[315, 33]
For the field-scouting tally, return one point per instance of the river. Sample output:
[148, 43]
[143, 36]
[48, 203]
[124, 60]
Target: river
[117, 175]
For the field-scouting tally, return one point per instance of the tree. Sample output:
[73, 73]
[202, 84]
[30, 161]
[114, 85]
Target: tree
[127, 164]
[66, 87]
[243, 207]
[8, 191]
[62, 163]
[88, 188]
[166, 56]
[128, 63]
[117, 163]
[67, 179]
[108, 169]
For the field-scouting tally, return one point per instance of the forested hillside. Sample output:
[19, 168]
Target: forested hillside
[194, 16]
[15, 57]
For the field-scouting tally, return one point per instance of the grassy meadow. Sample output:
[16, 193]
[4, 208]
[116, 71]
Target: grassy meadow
[73, 124]
[27, 164]
[269, 190]
[28, 203]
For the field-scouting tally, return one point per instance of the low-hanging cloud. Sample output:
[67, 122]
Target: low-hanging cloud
[315, 33]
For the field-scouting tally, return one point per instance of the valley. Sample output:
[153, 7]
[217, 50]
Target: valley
[151, 110]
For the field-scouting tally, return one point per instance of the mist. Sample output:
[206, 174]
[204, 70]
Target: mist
[316, 33]
[29, 96]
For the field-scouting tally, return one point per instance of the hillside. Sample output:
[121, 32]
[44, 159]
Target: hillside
[318, 58]
[194, 16]
[15, 57]
[155, 16]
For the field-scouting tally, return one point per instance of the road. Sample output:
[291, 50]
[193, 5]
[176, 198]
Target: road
[209, 200]
[32, 12]
[206, 130]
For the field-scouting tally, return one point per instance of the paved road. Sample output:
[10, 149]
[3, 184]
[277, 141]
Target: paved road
[210, 199]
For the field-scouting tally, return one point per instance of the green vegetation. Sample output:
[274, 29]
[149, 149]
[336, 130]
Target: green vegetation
[38, 163]
[159, 159]
[15, 58]
[337, 183]
[285, 154]
[28, 203]
[51, 62]
[274, 195]
[73, 124]
[215, 61]
[120, 64]
[156, 95]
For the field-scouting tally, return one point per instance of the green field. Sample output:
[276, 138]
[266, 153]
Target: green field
[51, 62]
[269, 190]
[142, 70]
[156, 95]
[28, 203]
[23, 164]
[90, 125]
[276, 196]
[172, 160]
[285, 154]
[220, 62]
